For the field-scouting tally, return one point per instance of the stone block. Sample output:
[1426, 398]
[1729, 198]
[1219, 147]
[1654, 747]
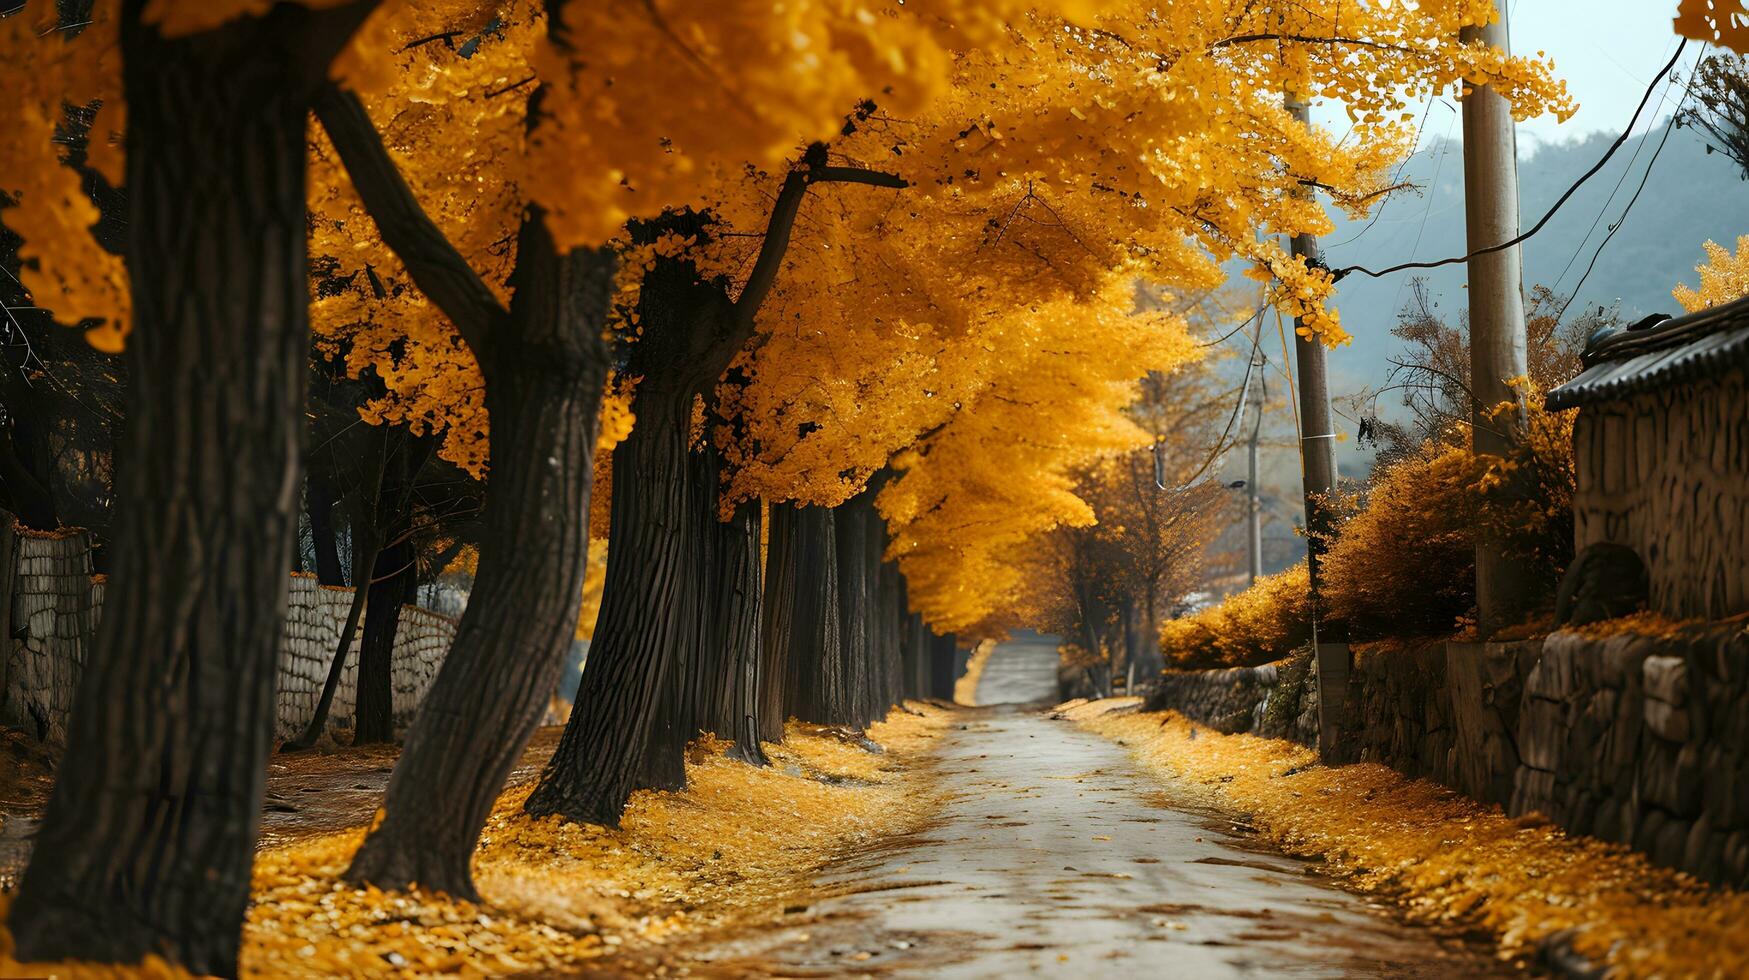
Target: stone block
[1666, 679]
[1725, 798]
[1532, 791]
[1697, 848]
[1671, 842]
[1672, 778]
[1668, 722]
[1736, 858]
[1542, 733]
[1551, 678]
[1622, 656]
[1646, 830]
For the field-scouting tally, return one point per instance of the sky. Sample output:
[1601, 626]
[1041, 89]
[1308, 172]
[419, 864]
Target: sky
[1607, 50]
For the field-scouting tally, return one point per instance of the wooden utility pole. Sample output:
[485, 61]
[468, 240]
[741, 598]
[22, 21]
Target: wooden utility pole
[1318, 460]
[1253, 503]
[1497, 332]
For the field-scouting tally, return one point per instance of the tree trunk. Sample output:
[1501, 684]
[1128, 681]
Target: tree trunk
[600, 758]
[26, 494]
[740, 599]
[1145, 660]
[941, 656]
[322, 499]
[695, 668]
[393, 583]
[892, 617]
[148, 839]
[851, 548]
[544, 375]
[820, 675]
[777, 633]
[913, 647]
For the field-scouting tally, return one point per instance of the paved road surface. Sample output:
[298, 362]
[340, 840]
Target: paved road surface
[1021, 671]
[1056, 856]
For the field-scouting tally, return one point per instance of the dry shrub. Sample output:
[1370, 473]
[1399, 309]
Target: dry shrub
[1404, 563]
[1255, 626]
[1403, 560]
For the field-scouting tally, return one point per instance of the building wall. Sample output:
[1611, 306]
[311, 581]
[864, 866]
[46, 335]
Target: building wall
[1666, 473]
[55, 603]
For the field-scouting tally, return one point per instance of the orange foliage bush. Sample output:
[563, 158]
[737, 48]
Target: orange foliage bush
[1403, 560]
[1404, 563]
[1255, 626]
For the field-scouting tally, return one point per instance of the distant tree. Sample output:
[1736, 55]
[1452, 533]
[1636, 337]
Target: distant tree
[1724, 277]
[1433, 370]
[1719, 90]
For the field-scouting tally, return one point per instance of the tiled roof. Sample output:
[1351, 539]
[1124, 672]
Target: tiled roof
[1684, 349]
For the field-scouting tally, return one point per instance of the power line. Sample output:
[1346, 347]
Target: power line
[1244, 396]
[1668, 129]
[1396, 178]
[1604, 209]
[1565, 196]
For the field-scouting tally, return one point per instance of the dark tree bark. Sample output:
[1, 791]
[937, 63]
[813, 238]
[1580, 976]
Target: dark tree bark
[544, 373]
[23, 491]
[821, 675]
[740, 609]
[914, 643]
[850, 530]
[941, 666]
[600, 757]
[148, 839]
[891, 619]
[321, 500]
[695, 668]
[393, 583]
[777, 633]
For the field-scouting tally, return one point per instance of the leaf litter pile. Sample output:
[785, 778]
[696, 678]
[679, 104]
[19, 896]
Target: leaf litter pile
[1448, 860]
[734, 848]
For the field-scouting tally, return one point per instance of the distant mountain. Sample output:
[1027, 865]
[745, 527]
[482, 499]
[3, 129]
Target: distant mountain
[1690, 197]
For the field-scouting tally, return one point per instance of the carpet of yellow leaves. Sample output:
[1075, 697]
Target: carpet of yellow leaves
[734, 848]
[1448, 860]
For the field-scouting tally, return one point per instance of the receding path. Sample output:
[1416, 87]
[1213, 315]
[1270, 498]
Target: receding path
[1021, 671]
[1055, 855]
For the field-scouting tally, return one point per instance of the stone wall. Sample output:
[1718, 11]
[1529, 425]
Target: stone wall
[1278, 700]
[1644, 740]
[50, 604]
[1666, 472]
[1638, 739]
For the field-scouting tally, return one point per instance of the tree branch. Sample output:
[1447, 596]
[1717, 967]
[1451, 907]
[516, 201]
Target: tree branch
[771, 252]
[437, 268]
[855, 175]
[1307, 39]
[782, 224]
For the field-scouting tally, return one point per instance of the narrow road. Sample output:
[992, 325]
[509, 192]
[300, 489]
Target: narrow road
[1055, 855]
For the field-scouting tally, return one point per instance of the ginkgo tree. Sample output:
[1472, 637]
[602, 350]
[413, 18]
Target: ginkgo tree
[145, 846]
[963, 184]
[1062, 158]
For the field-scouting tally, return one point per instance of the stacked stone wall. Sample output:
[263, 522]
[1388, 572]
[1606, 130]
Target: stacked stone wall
[1644, 740]
[1633, 738]
[1276, 700]
[51, 612]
